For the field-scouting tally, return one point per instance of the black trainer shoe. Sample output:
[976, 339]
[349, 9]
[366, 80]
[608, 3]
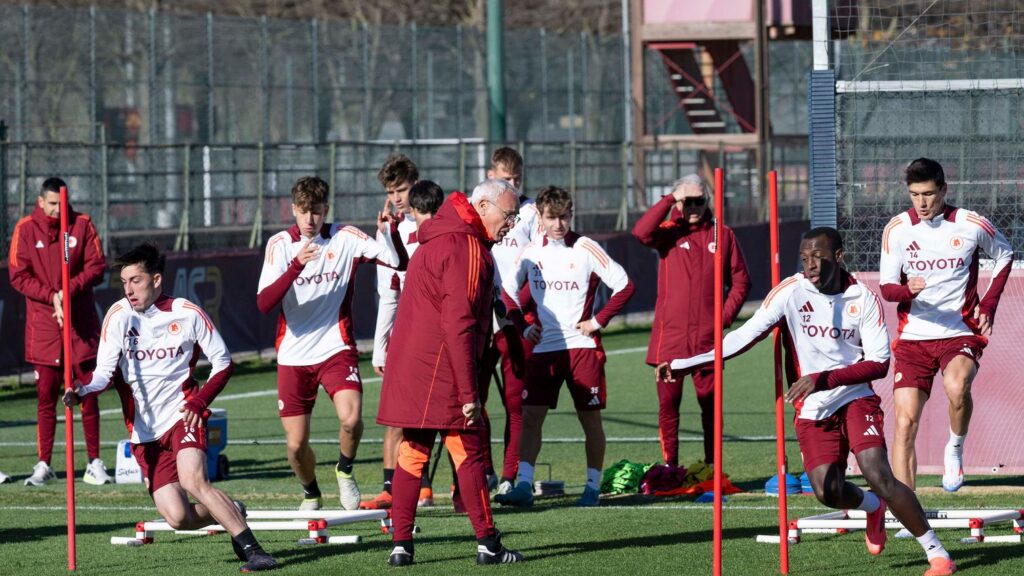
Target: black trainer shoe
[235, 545]
[498, 555]
[258, 561]
[400, 556]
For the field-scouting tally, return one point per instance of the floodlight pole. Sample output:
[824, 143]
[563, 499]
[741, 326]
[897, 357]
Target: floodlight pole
[66, 360]
[719, 273]
[780, 405]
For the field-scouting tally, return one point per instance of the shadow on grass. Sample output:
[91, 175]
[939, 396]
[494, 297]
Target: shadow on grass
[21, 534]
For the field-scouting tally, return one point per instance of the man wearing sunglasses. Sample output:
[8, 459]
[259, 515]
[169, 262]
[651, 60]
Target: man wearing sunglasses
[683, 311]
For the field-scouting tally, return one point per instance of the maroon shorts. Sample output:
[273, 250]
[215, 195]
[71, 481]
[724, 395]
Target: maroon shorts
[856, 426]
[158, 459]
[917, 361]
[582, 369]
[297, 385]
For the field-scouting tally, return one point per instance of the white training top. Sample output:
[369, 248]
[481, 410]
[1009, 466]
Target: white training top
[563, 281]
[316, 312]
[156, 351]
[506, 253]
[389, 288]
[943, 251]
[829, 332]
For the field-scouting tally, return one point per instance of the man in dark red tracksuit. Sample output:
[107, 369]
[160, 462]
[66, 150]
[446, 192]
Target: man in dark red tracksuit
[34, 266]
[684, 309]
[442, 329]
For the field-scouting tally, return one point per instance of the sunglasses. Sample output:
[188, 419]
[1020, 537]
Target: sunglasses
[695, 202]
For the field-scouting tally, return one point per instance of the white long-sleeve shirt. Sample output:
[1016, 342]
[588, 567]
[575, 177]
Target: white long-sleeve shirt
[829, 333]
[156, 351]
[389, 288]
[316, 310]
[506, 253]
[944, 251]
[563, 276]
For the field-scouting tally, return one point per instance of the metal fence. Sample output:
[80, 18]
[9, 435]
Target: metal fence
[189, 197]
[160, 78]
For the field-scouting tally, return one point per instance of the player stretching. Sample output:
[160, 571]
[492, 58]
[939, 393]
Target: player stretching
[310, 270]
[929, 265]
[563, 270]
[841, 345]
[154, 340]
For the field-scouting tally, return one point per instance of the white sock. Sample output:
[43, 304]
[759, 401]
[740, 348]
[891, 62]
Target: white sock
[870, 503]
[932, 547]
[593, 478]
[956, 443]
[525, 473]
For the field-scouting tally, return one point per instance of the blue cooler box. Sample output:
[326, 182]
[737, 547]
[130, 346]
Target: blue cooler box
[217, 465]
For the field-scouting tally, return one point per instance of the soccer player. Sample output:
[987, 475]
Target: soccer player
[841, 345]
[929, 265]
[34, 267]
[442, 328]
[509, 346]
[398, 175]
[153, 341]
[563, 270]
[310, 270]
[682, 327]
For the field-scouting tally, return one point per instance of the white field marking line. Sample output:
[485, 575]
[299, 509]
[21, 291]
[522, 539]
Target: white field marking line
[640, 507]
[374, 380]
[558, 440]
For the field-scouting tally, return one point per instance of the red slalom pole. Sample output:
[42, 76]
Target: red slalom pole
[69, 414]
[719, 302]
[780, 405]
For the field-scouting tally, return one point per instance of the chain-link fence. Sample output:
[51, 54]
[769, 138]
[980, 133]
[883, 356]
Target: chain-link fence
[942, 79]
[190, 197]
[160, 78]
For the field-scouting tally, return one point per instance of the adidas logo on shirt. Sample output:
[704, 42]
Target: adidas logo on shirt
[132, 332]
[685, 244]
[39, 244]
[871, 431]
[913, 246]
[807, 307]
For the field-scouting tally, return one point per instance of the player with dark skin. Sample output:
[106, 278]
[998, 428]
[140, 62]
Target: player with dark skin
[823, 268]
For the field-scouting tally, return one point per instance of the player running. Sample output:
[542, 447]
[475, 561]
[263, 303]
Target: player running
[563, 270]
[153, 340]
[929, 266]
[840, 341]
[310, 270]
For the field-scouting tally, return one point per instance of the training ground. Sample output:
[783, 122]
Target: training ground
[626, 535]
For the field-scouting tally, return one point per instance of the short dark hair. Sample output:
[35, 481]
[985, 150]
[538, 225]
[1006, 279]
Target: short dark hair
[925, 170]
[507, 158]
[398, 168]
[834, 239]
[51, 185]
[555, 198]
[426, 197]
[147, 255]
[310, 192]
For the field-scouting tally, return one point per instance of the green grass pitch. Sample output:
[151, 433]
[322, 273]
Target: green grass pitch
[626, 535]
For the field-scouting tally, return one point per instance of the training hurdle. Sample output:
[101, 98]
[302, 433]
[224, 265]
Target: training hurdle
[845, 521]
[315, 522]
